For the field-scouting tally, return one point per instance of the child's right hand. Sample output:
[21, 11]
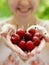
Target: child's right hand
[15, 48]
[7, 31]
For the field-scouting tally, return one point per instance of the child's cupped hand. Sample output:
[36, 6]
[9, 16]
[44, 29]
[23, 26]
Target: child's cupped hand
[6, 31]
[39, 48]
[15, 48]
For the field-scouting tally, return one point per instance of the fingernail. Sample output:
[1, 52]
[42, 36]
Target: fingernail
[38, 52]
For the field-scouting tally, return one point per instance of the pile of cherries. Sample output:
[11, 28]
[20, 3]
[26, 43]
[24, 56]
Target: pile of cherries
[26, 40]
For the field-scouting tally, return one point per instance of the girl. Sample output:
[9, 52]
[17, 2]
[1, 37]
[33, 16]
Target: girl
[23, 17]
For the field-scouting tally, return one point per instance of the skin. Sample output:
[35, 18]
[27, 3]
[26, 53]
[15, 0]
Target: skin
[23, 8]
[23, 12]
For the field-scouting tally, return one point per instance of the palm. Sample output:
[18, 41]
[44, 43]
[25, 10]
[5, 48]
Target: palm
[42, 44]
[15, 48]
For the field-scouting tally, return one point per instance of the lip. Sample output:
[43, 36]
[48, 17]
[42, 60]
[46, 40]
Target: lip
[24, 10]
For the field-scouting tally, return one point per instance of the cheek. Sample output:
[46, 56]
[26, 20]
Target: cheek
[13, 3]
[35, 3]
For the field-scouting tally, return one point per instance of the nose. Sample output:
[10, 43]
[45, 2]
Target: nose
[24, 3]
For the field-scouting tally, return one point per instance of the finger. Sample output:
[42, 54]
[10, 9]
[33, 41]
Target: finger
[41, 46]
[7, 27]
[21, 52]
[46, 37]
[28, 54]
[3, 34]
[33, 52]
[1, 38]
[16, 49]
[38, 28]
[11, 31]
[33, 26]
[10, 45]
[23, 57]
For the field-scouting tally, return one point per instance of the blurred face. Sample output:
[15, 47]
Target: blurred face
[23, 7]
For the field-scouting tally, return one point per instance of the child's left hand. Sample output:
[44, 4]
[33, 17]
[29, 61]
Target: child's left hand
[38, 49]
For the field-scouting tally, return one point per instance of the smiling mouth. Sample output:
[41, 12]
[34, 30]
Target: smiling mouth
[24, 10]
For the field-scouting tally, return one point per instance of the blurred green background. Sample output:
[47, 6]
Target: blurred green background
[42, 12]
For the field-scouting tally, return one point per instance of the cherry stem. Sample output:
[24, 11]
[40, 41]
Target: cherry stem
[38, 29]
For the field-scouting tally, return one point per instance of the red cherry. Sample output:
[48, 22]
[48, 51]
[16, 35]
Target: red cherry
[15, 38]
[20, 32]
[39, 35]
[32, 31]
[27, 36]
[29, 45]
[36, 40]
[22, 44]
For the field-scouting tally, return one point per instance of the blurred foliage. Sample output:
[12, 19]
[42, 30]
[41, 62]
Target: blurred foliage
[42, 12]
[4, 9]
